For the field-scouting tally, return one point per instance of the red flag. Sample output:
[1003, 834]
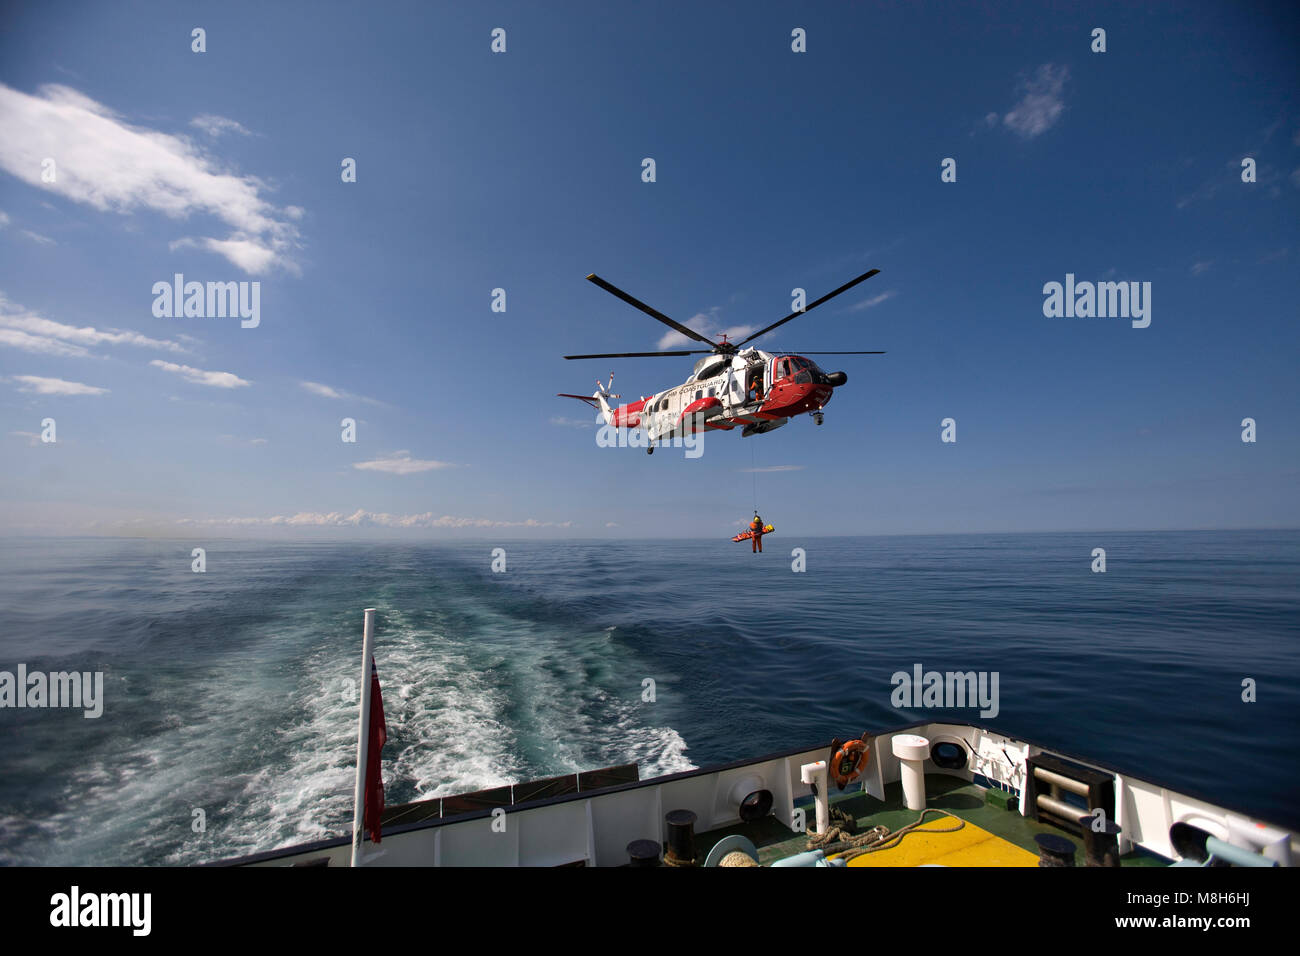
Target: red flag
[378, 737]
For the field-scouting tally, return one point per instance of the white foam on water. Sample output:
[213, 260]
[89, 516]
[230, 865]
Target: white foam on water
[271, 759]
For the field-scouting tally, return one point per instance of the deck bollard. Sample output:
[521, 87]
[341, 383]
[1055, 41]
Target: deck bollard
[1054, 850]
[681, 838]
[1100, 847]
[643, 853]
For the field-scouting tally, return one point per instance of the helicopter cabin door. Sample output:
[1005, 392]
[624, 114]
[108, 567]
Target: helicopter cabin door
[734, 386]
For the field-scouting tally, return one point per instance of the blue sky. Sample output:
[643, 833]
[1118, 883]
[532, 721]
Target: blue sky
[522, 170]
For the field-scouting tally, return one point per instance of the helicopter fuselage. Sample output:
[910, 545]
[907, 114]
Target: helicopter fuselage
[731, 387]
[754, 390]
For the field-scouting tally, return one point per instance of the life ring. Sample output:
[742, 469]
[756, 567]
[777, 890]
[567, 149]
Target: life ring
[848, 760]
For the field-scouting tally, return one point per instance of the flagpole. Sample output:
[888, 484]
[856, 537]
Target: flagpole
[363, 739]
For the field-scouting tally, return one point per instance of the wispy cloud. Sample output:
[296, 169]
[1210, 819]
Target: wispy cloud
[1210, 187]
[24, 329]
[1040, 105]
[326, 391]
[55, 386]
[218, 125]
[363, 519]
[17, 339]
[772, 468]
[109, 164]
[872, 302]
[202, 377]
[1200, 267]
[236, 440]
[1268, 176]
[401, 463]
[707, 324]
[573, 422]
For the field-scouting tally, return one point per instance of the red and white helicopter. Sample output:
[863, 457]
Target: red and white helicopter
[731, 386]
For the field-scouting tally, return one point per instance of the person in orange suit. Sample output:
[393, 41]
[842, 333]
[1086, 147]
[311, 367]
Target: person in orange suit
[756, 526]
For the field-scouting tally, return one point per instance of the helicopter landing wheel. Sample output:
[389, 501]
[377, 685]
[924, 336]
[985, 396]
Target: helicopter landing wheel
[650, 449]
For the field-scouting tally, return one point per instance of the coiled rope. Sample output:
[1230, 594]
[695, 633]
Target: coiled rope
[840, 838]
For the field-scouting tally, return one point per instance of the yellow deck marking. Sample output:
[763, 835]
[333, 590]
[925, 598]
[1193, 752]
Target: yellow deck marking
[969, 846]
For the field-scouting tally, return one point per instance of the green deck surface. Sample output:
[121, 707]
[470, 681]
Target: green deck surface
[962, 800]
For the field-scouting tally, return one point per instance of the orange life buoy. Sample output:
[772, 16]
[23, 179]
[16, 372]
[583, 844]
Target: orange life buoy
[848, 760]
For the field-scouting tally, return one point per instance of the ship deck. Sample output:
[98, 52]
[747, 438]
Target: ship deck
[956, 798]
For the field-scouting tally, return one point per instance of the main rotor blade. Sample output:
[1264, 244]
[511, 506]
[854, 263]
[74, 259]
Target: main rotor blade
[638, 354]
[652, 312]
[836, 353]
[808, 308]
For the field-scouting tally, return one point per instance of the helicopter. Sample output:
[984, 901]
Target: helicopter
[731, 387]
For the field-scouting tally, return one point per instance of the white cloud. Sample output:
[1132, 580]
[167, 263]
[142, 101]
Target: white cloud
[236, 440]
[248, 255]
[871, 302]
[1199, 267]
[316, 388]
[364, 519]
[401, 463]
[327, 391]
[706, 323]
[200, 377]
[4, 219]
[1041, 103]
[38, 238]
[56, 386]
[15, 338]
[109, 164]
[21, 328]
[217, 125]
